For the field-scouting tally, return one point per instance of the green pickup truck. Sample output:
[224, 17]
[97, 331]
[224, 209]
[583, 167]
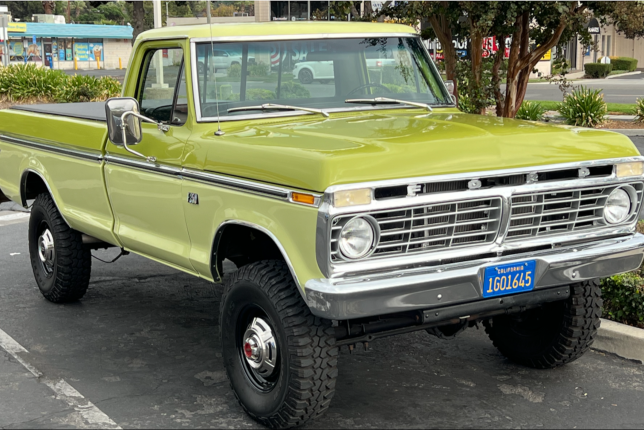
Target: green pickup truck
[356, 207]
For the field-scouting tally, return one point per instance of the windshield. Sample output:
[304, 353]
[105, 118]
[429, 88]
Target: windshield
[318, 74]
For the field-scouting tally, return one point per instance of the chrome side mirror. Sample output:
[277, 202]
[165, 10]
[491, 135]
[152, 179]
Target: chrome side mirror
[124, 124]
[115, 109]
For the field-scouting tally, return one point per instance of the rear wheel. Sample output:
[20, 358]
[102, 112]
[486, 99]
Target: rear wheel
[305, 76]
[553, 335]
[61, 265]
[280, 359]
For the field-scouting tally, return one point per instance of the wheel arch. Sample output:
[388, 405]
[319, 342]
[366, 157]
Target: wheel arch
[33, 183]
[234, 235]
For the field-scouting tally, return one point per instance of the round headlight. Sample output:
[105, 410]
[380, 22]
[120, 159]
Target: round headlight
[357, 238]
[618, 207]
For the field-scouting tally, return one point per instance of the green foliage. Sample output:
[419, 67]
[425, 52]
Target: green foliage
[28, 82]
[399, 89]
[257, 70]
[530, 111]
[478, 95]
[583, 107]
[234, 71]
[597, 70]
[466, 105]
[638, 111]
[624, 63]
[260, 94]
[293, 90]
[624, 298]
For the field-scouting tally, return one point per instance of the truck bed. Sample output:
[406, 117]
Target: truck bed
[94, 111]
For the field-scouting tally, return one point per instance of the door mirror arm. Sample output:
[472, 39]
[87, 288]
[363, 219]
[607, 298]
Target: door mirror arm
[160, 126]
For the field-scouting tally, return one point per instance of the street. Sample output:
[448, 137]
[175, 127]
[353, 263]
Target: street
[141, 350]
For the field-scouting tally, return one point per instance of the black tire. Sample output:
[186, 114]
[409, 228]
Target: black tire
[306, 366]
[65, 276]
[305, 76]
[555, 334]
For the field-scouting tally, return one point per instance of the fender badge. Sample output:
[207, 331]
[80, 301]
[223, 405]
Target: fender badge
[193, 198]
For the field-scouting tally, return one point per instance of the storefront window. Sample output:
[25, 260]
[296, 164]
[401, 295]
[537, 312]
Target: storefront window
[299, 10]
[95, 49]
[16, 50]
[319, 11]
[81, 49]
[279, 11]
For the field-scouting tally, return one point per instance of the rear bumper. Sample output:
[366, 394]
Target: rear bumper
[436, 288]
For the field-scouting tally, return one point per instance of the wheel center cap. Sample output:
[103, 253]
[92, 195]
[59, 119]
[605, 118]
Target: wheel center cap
[260, 348]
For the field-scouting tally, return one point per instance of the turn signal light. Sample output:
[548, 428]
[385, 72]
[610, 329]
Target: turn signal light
[303, 198]
[630, 169]
[343, 199]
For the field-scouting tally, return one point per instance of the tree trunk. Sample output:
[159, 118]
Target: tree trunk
[354, 11]
[476, 55]
[496, 78]
[68, 14]
[368, 9]
[444, 34]
[49, 7]
[513, 68]
[138, 16]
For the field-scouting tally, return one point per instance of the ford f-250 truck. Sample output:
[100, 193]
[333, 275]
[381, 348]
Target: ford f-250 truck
[353, 211]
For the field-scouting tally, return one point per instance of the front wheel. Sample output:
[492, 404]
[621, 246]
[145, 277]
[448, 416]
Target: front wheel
[553, 335]
[61, 264]
[280, 359]
[305, 76]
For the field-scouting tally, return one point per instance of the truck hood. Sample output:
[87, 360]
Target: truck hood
[313, 153]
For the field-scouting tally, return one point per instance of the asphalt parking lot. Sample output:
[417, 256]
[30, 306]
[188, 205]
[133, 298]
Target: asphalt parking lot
[142, 351]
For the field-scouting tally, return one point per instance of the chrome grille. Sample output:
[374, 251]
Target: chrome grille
[562, 211]
[429, 228]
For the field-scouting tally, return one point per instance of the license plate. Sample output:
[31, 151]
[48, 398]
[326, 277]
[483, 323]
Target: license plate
[509, 278]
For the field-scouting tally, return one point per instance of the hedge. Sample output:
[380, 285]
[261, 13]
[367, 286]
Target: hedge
[624, 299]
[624, 63]
[598, 70]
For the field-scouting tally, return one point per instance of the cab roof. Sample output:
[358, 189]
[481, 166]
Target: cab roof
[273, 29]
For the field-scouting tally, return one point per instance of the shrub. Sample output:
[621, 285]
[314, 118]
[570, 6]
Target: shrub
[598, 70]
[234, 71]
[257, 70]
[28, 82]
[624, 63]
[530, 111]
[293, 90]
[583, 107]
[624, 299]
[465, 104]
[639, 110]
[259, 94]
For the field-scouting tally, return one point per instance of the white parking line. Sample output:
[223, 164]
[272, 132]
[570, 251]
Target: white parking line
[14, 217]
[93, 416]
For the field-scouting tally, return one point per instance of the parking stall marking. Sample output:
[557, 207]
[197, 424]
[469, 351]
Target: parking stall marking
[93, 416]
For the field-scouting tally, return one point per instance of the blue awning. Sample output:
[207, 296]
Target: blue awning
[80, 31]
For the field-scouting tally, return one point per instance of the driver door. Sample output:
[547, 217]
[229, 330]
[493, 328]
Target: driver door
[146, 197]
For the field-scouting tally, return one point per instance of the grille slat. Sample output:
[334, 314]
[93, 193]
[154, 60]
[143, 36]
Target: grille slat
[560, 211]
[430, 228]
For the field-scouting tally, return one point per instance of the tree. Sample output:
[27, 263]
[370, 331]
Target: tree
[535, 27]
[138, 19]
[22, 10]
[49, 6]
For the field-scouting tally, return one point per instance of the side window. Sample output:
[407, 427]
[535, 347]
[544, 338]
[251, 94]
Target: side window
[159, 83]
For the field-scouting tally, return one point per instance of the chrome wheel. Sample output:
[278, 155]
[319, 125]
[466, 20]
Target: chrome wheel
[47, 251]
[260, 348]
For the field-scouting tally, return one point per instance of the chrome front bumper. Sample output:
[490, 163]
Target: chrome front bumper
[439, 287]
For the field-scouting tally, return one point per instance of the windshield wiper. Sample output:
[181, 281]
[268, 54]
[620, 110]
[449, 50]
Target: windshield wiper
[385, 100]
[271, 106]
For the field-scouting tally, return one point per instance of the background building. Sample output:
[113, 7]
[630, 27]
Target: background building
[56, 45]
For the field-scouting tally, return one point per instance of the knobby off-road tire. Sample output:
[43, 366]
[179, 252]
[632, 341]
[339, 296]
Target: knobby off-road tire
[553, 335]
[63, 276]
[303, 382]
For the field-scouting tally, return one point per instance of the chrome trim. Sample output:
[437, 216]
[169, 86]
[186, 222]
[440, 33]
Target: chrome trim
[327, 213]
[195, 77]
[217, 239]
[258, 188]
[422, 289]
[312, 36]
[54, 147]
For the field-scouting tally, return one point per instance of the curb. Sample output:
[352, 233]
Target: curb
[623, 74]
[620, 339]
[630, 132]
